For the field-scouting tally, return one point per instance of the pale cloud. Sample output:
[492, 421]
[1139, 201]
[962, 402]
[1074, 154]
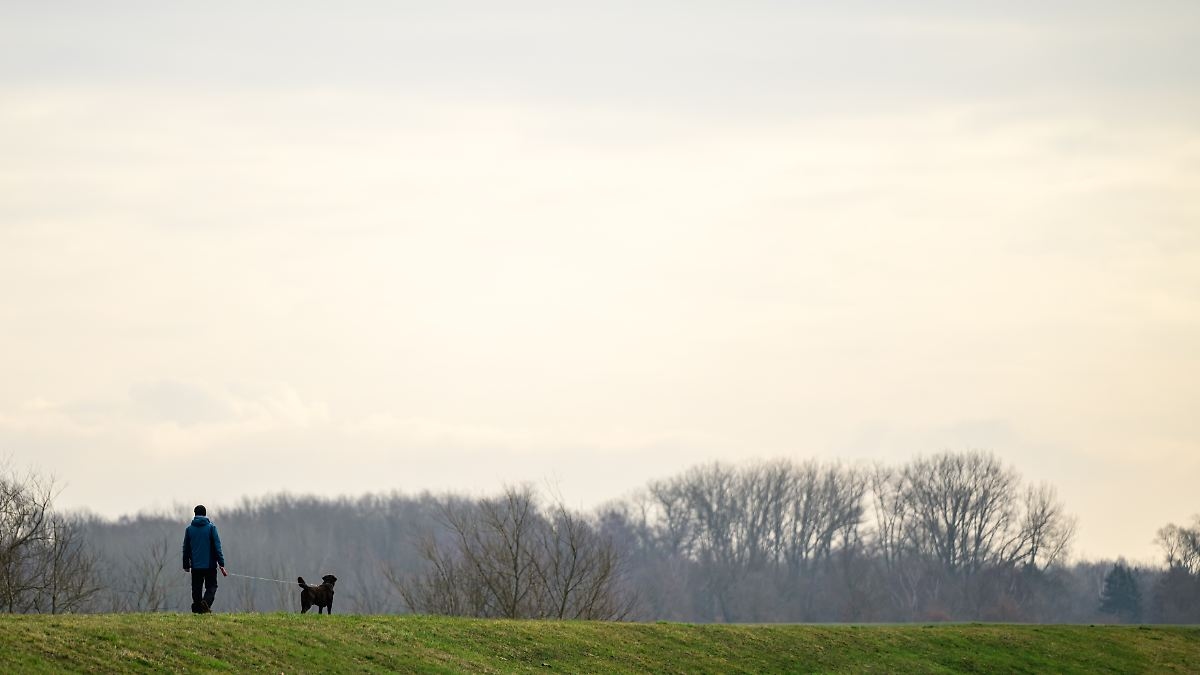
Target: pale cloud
[536, 246]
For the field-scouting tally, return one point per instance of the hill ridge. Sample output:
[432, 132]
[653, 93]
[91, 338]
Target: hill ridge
[290, 643]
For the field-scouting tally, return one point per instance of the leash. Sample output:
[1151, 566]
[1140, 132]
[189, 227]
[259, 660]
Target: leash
[246, 576]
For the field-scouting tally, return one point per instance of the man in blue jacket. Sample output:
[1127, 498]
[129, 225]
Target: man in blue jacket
[202, 556]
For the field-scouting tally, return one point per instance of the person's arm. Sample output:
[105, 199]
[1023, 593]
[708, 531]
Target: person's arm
[217, 547]
[187, 550]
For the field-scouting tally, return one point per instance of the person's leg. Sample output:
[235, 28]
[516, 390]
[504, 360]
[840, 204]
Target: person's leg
[197, 588]
[210, 587]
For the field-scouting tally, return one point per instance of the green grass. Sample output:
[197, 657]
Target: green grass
[290, 643]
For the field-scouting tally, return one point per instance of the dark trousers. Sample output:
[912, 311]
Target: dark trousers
[205, 580]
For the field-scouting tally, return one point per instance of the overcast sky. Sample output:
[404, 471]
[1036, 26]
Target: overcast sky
[449, 245]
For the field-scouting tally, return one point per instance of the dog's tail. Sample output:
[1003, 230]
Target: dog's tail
[300, 580]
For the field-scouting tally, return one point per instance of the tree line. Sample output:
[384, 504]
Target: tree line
[951, 536]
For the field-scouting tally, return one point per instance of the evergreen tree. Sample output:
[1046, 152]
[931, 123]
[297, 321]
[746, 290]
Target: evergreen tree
[1121, 595]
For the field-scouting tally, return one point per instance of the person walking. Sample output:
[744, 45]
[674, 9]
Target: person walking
[202, 556]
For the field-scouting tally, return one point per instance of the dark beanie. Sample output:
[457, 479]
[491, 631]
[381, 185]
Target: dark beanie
[200, 510]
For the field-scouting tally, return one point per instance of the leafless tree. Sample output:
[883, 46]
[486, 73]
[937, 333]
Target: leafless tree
[893, 539]
[776, 521]
[1046, 530]
[149, 591]
[1176, 593]
[24, 507]
[44, 563]
[68, 568]
[956, 532]
[1181, 546]
[504, 557]
[577, 568]
[965, 506]
[446, 586]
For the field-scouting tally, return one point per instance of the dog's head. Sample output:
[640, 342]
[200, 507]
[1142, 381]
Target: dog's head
[329, 579]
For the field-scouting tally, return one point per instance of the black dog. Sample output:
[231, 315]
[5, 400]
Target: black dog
[321, 596]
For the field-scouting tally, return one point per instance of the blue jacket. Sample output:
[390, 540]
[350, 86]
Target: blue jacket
[202, 545]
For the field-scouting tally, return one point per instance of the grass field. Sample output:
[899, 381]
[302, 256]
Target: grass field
[290, 643]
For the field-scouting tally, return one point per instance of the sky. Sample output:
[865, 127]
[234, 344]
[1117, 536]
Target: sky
[371, 246]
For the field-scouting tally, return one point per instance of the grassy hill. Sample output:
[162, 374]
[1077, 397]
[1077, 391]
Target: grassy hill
[291, 643]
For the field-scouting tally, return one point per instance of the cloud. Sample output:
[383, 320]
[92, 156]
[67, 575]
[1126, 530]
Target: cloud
[761, 60]
[178, 403]
[449, 248]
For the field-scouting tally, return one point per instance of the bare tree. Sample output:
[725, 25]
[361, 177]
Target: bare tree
[447, 586]
[1181, 546]
[577, 569]
[505, 558]
[1046, 529]
[44, 563]
[1176, 594]
[150, 593]
[24, 507]
[775, 522]
[68, 568]
[956, 532]
[965, 507]
[893, 539]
